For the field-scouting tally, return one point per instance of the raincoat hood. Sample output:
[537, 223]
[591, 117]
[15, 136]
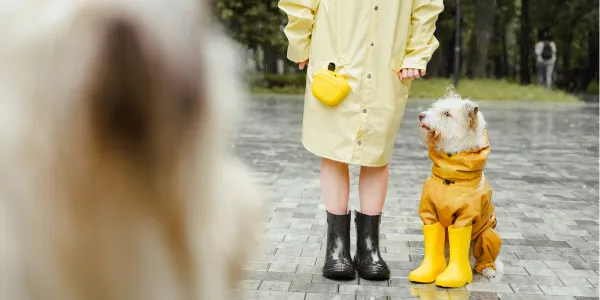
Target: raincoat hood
[464, 166]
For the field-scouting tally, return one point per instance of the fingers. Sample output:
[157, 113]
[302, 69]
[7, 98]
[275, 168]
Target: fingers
[303, 64]
[411, 74]
[403, 74]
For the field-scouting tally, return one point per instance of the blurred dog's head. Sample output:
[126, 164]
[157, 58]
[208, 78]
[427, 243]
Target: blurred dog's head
[113, 119]
[452, 124]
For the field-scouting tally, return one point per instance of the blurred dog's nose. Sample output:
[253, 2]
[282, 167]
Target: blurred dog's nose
[421, 116]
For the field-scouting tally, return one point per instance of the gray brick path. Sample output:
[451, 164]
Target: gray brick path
[543, 169]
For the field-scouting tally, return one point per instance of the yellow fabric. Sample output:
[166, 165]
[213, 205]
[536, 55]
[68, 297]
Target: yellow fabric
[370, 41]
[434, 261]
[458, 194]
[458, 272]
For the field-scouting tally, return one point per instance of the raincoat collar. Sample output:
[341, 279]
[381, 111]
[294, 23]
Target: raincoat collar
[464, 166]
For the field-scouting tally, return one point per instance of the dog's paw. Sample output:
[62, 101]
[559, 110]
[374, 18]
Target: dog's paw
[488, 272]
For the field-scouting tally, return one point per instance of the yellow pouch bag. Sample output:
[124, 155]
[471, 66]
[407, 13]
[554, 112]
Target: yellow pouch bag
[330, 87]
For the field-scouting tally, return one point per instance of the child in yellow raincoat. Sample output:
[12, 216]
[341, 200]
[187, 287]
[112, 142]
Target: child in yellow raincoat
[378, 47]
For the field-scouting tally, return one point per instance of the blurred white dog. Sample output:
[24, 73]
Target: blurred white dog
[116, 179]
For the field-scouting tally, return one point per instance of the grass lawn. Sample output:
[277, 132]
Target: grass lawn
[474, 89]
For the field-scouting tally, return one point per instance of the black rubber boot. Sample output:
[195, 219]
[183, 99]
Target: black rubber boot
[368, 261]
[338, 262]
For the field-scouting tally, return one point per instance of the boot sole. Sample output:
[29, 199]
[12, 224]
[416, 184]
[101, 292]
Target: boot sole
[374, 276]
[453, 285]
[340, 275]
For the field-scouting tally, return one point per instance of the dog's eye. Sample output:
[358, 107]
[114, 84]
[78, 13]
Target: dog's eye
[447, 114]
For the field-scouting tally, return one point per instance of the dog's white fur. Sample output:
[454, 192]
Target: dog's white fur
[88, 214]
[446, 125]
[448, 119]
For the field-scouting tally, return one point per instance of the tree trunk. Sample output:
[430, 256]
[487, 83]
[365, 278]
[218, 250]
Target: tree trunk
[481, 37]
[269, 59]
[526, 44]
[448, 53]
[504, 58]
[590, 73]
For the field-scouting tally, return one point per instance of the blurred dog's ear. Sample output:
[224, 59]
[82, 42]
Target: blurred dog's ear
[141, 103]
[473, 109]
[122, 87]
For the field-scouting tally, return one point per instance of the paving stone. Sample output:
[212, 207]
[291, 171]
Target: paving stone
[489, 287]
[475, 296]
[283, 267]
[560, 272]
[547, 217]
[526, 289]
[276, 276]
[376, 291]
[576, 282]
[503, 296]
[313, 296]
[270, 295]
[569, 291]
[256, 266]
[559, 265]
[323, 288]
[282, 286]
[249, 284]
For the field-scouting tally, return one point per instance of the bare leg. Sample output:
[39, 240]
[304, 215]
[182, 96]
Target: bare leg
[372, 189]
[335, 186]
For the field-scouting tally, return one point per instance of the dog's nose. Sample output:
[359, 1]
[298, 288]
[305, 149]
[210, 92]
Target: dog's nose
[421, 116]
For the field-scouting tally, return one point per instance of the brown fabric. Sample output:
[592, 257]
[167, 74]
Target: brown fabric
[486, 249]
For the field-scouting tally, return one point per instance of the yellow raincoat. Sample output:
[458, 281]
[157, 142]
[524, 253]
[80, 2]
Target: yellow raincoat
[458, 194]
[369, 41]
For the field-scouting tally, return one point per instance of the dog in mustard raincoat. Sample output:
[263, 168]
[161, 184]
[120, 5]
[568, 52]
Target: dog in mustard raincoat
[457, 198]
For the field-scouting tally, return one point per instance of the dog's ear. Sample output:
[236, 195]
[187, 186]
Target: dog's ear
[138, 100]
[122, 86]
[472, 110]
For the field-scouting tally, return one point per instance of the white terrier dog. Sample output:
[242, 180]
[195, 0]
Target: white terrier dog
[117, 182]
[456, 128]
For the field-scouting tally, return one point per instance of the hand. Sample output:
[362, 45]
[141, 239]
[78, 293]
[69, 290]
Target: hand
[303, 64]
[410, 74]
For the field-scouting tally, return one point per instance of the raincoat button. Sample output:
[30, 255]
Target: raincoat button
[359, 143]
[447, 182]
[368, 75]
[364, 111]
[372, 44]
[376, 7]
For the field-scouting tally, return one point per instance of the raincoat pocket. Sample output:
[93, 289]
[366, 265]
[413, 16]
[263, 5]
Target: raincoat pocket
[395, 66]
[329, 86]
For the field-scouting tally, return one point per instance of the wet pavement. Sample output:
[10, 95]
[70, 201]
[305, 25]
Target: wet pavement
[543, 169]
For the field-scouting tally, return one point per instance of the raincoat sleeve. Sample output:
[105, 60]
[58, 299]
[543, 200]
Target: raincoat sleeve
[301, 17]
[421, 42]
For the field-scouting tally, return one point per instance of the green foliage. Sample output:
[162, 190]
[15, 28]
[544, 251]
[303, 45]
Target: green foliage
[285, 80]
[478, 89]
[485, 89]
[253, 22]
[573, 24]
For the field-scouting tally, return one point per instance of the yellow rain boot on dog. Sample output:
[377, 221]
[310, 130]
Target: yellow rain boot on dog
[458, 273]
[434, 261]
